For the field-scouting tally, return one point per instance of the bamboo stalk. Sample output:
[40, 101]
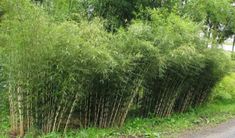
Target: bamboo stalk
[96, 109]
[70, 113]
[101, 114]
[113, 109]
[12, 119]
[58, 112]
[20, 111]
[128, 107]
[61, 116]
[89, 109]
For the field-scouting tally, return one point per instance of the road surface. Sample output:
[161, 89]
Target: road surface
[225, 130]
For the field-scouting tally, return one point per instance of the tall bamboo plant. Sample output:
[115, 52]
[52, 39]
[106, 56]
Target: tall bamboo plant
[48, 68]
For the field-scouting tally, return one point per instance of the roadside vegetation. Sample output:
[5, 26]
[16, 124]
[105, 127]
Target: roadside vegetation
[82, 71]
[220, 108]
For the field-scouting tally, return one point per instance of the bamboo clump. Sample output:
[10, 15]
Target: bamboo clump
[65, 74]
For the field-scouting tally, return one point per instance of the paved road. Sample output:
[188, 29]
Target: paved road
[225, 130]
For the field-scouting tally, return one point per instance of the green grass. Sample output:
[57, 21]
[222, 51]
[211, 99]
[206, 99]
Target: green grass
[221, 108]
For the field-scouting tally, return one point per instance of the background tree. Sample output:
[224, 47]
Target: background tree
[216, 15]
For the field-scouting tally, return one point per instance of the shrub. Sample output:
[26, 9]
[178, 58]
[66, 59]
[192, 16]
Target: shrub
[225, 90]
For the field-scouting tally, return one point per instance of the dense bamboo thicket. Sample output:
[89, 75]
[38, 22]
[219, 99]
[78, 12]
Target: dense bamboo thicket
[57, 71]
[110, 97]
[185, 83]
[190, 71]
[49, 68]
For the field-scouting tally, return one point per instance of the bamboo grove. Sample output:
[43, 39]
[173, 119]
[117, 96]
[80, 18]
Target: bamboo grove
[64, 74]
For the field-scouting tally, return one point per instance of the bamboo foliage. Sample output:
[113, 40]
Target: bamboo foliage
[187, 78]
[46, 72]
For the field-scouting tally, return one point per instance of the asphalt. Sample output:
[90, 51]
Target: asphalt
[224, 130]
